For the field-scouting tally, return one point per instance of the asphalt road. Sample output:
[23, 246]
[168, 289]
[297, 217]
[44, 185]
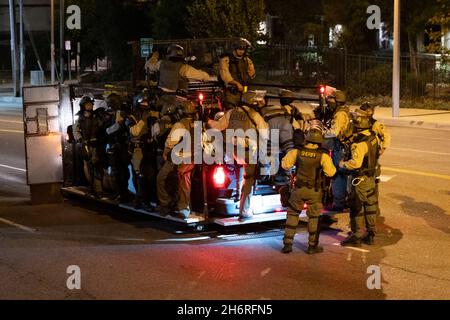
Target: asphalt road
[127, 256]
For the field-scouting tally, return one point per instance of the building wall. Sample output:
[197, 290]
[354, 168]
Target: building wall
[37, 15]
[446, 38]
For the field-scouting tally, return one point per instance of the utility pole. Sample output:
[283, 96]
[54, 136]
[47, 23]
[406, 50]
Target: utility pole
[14, 59]
[396, 62]
[61, 39]
[22, 47]
[52, 40]
[78, 60]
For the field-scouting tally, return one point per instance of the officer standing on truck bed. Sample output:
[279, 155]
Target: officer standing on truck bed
[90, 132]
[236, 69]
[244, 117]
[182, 162]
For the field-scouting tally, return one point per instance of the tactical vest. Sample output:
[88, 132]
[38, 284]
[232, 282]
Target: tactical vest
[370, 161]
[170, 76]
[145, 135]
[240, 119]
[238, 69]
[270, 112]
[89, 128]
[309, 168]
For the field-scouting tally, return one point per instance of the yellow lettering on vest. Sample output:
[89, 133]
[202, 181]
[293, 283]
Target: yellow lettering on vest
[308, 154]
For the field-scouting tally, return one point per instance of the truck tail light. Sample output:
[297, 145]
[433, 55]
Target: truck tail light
[219, 177]
[322, 89]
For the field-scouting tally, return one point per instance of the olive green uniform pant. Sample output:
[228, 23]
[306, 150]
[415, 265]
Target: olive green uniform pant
[167, 196]
[165, 182]
[184, 188]
[300, 196]
[247, 190]
[363, 206]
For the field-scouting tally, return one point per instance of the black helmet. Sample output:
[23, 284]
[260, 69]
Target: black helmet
[242, 43]
[113, 101]
[188, 107]
[175, 51]
[340, 97]
[361, 121]
[368, 108]
[286, 97]
[85, 99]
[314, 136]
[252, 98]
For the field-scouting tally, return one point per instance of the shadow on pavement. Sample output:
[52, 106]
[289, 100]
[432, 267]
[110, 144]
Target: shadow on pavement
[433, 215]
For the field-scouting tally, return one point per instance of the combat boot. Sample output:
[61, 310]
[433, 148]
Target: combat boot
[369, 238]
[314, 249]
[351, 241]
[287, 248]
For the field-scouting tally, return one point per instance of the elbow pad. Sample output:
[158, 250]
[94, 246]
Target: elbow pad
[113, 129]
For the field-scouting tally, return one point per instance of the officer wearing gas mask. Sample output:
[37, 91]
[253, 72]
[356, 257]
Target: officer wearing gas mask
[384, 137]
[142, 149]
[244, 116]
[310, 161]
[89, 131]
[236, 70]
[175, 73]
[280, 118]
[117, 153]
[363, 166]
[181, 161]
[338, 135]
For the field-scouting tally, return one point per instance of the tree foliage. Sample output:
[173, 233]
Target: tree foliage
[225, 18]
[351, 14]
[106, 28]
[442, 19]
[169, 19]
[299, 19]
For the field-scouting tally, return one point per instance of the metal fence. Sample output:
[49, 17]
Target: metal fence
[358, 74]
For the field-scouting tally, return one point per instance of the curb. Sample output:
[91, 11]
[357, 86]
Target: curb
[414, 124]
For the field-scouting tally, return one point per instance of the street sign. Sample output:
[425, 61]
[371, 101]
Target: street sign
[146, 47]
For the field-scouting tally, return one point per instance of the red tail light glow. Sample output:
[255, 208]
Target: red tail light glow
[322, 89]
[219, 177]
[305, 206]
[201, 97]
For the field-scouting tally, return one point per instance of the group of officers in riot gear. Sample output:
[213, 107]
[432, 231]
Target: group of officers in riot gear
[143, 136]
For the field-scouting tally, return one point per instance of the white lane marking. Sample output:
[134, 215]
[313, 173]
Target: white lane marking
[421, 151]
[128, 239]
[13, 131]
[17, 225]
[352, 248]
[14, 168]
[184, 239]
[419, 173]
[385, 178]
[11, 121]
